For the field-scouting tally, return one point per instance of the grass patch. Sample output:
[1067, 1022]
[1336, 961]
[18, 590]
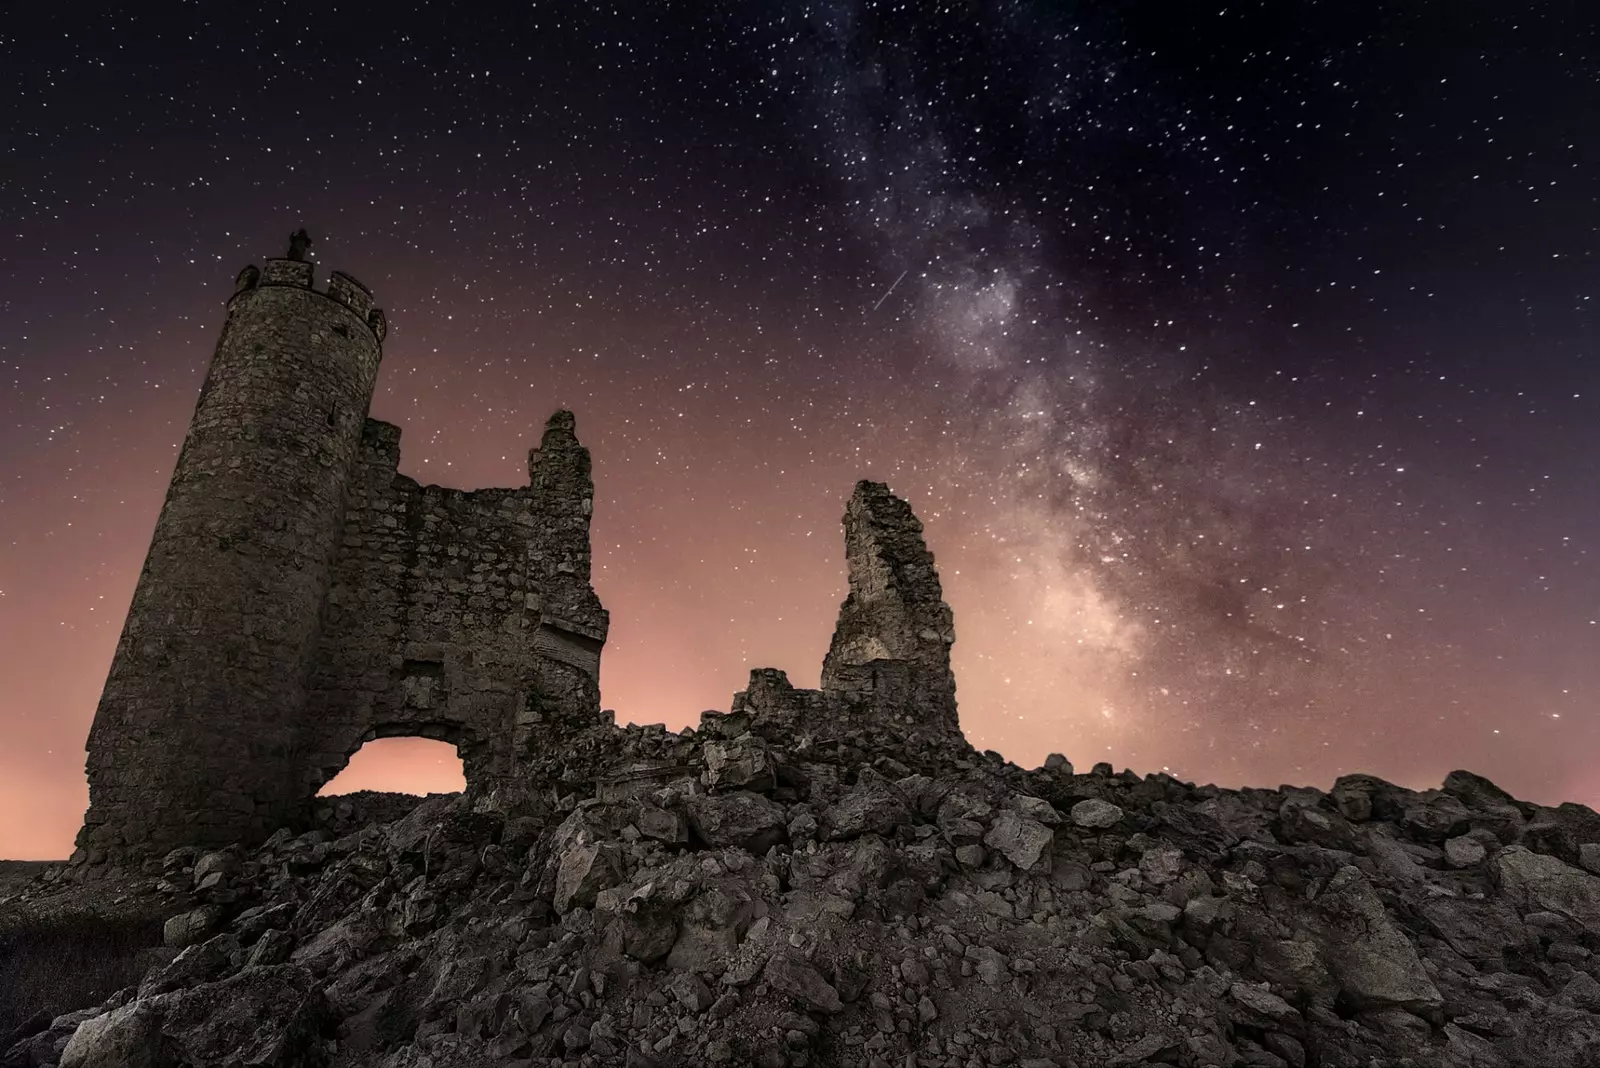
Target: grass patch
[66, 961]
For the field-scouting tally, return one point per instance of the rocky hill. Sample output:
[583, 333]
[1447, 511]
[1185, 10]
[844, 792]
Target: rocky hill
[771, 891]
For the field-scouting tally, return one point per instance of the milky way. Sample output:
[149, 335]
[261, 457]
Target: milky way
[1240, 363]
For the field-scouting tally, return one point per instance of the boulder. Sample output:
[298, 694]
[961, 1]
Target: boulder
[1096, 814]
[189, 928]
[1562, 831]
[1537, 882]
[1373, 961]
[1161, 864]
[1464, 851]
[269, 1017]
[873, 806]
[741, 819]
[711, 927]
[742, 763]
[196, 964]
[663, 825]
[1363, 797]
[1020, 840]
[1435, 816]
[129, 1037]
[1036, 808]
[1302, 821]
[798, 979]
[583, 869]
[261, 1017]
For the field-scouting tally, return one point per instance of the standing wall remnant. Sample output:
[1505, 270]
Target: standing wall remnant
[889, 661]
[895, 630]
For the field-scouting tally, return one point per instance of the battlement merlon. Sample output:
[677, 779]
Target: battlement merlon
[298, 274]
[561, 484]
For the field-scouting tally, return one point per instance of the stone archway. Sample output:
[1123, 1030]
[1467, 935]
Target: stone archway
[399, 764]
[469, 746]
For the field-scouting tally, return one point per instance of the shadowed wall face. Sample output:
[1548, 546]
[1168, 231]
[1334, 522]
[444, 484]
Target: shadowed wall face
[301, 597]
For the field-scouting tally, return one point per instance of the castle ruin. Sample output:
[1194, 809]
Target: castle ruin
[301, 597]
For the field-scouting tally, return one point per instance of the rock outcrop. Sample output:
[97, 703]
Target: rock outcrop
[753, 893]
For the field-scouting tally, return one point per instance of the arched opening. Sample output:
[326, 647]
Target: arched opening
[401, 765]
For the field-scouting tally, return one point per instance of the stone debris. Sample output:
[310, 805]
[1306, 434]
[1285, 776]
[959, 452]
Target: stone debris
[873, 895]
[835, 877]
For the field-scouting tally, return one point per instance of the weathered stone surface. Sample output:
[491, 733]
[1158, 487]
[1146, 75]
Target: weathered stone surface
[262, 1018]
[742, 763]
[190, 927]
[586, 867]
[873, 806]
[1161, 864]
[1096, 814]
[1372, 959]
[195, 965]
[711, 929]
[1020, 840]
[746, 820]
[804, 983]
[1305, 821]
[894, 632]
[1534, 881]
[662, 825]
[129, 1037]
[1464, 851]
[271, 1017]
[299, 534]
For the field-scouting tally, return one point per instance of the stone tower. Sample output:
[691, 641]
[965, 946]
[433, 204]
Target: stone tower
[300, 596]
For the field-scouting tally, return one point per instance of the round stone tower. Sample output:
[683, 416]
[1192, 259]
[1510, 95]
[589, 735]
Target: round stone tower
[193, 737]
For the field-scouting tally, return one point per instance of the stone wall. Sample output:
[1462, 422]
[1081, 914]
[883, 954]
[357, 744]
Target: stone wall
[448, 617]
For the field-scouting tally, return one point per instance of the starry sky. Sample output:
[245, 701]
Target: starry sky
[1239, 358]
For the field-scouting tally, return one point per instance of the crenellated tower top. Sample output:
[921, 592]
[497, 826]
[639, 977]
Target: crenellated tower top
[294, 270]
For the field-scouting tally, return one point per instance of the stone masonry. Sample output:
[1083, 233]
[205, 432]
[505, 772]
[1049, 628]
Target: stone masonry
[302, 597]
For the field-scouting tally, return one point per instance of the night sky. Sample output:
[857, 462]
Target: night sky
[1239, 358]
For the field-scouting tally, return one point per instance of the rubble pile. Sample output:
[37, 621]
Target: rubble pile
[751, 894]
[836, 878]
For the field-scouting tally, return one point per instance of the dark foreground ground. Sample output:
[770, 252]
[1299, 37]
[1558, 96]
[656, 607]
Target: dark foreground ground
[757, 894]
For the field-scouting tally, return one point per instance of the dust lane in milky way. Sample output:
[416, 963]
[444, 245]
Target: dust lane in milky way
[1241, 366]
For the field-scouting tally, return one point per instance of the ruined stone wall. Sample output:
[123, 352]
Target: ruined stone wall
[894, 632]
[569, 624]
[436, 622]
[888, 664]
